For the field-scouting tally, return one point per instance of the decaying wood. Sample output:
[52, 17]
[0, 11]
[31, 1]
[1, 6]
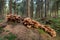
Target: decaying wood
[30, 23]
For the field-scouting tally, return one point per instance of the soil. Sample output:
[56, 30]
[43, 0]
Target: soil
[24, 33]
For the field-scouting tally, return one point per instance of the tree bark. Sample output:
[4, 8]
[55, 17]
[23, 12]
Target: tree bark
[28, 8]
[38, 9]
[10, 6]
[31, 9]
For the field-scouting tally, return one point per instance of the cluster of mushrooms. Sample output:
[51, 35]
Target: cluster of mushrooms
[30, 23]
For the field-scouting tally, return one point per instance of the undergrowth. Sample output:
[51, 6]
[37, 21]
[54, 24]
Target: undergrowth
[41, 31]
[10, 36]
[56, 24]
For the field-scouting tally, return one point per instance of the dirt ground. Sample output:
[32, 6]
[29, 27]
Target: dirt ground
[23, 33]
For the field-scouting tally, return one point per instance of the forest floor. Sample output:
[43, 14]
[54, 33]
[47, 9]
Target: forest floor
[18, 31]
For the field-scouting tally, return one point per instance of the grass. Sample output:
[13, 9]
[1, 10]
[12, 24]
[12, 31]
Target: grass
[1, 38]
[7, 30]
[41, 31]
[1, 30]
[1, 20]
[10, 36]
[56, 24]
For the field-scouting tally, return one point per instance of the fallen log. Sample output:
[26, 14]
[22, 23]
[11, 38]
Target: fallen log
[30, 23]
[13, 18]
[49, 30]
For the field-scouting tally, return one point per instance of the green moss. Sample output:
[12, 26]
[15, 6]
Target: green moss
[1, 20]
[1, 30]
[56, 24]
[1, 38]
[10, 36]
[41, 31]
[7, 30]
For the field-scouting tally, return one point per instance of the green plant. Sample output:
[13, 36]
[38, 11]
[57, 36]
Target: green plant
[56, 24]
[10, 36]
[1, 20]
[7, 30]
[1, 38]
[41, 31]
[1, 30]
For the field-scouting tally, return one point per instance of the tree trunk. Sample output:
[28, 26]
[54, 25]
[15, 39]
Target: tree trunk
[38, 9]
[2, 9]
[15, 7]
[31, 9]
[10, 6]
[41, 10]
[28, 7]
[45, 9]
